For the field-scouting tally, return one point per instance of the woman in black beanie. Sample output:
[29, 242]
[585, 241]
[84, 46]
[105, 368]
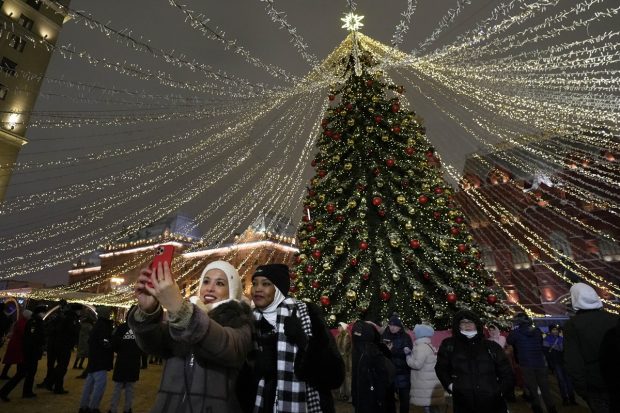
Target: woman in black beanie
[296, 361]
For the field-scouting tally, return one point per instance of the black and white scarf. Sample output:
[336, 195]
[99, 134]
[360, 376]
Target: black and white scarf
[292, 395]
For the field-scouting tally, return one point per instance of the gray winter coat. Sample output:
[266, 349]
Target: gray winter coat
[203, 352]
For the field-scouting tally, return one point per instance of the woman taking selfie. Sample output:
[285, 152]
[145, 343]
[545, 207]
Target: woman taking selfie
[204, 343]
[296, 362]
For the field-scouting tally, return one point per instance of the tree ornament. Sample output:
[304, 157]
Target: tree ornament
[408, 226]
[336, 136]
[369, 128]
[322, 173]
[351, 121]
[396, 129]
[311, 192]
[363, 245]
[417, 294]
[409, 150]
[438, 190]
[414, 244]
[411, 210]
[340, 218]
[349, 106]
[331, 97]
[376, 201]
[451, 298]
[322, 197]
[353, 262]
[381, 213]
[389, 162]
[455, 231]
[293, 289]
[400, 89]
[351, 295]
[352, 204]
[400, 199]
[459, 220]
[440, 201]
[422, 199]
[395, 276]
[378, 118]
[309, 269]
[348, 166]
[338, 249]
[461, 248]
[394, 242]
[315, 284]
[395, 107]
[474, 296]
[376, 99]
[369, 82]
[327, 266]
[404, 183]
[436, 214]
[330, 208]
[385, 138]
[316, 254]
[313, 240]
[385, 295]
[365, 275]
[325, 301]
[491, 299]
[315, 181]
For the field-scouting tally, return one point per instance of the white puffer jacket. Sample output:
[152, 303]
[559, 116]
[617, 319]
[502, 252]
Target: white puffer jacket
[426, 390]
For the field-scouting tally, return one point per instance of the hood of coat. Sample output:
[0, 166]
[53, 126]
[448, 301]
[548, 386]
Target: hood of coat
[233, 314]
[363, 332]
[470, 315]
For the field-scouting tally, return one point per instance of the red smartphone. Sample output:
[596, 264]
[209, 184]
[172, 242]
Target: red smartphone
[163, 253]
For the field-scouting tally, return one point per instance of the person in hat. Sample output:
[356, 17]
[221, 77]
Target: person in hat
[474, 370]
[527, 342]
[343, 341]
[426, 389]
[204, 341]
[31, 350]
[554, 351]
[296, 362]
[399, 343]
[583, 335]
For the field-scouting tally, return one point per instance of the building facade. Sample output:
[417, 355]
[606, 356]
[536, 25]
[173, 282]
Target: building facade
[30, 29]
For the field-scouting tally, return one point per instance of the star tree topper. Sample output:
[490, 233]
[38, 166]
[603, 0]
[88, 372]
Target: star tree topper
[352, 22]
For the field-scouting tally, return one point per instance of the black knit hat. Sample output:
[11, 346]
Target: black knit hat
[278, 274]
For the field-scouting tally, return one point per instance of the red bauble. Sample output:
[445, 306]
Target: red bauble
[461, 248]
[426, 275]
[378, 118]
[330, 208]
[363, 245]
[439, 190]
[328, 132]
[415, 244]
[313, 163]
[336, 136]
[298, 260]
[349, 106]
[315, 284]
[451, 298]
[491, 299]
[324, 122]
[389, 162]
[369, 82]
[436, 214]
[459, 220]
[309, 227]
[429, 154]
[455, 231]
[353, 262]
[423, 199]
[293, 289]
[385, 295]
[404, 183]
[313, 240]
[325, 300]
[376, 201]
[309, 269]
[311, 192]
[396, 129]
[331, 97]
[395, 107]
[377, 171]
[305, 218]
[340, 218]
[322, 173]
[316, 254]
[366, 276]
[292, 275]
[381, 213]
[409, 150]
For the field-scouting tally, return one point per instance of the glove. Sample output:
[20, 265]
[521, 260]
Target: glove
[294, 332]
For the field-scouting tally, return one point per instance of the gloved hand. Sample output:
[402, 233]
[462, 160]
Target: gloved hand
[294, 332]
[407, 351]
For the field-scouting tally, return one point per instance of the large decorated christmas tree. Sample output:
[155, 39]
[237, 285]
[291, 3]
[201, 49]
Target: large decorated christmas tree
[380, 232]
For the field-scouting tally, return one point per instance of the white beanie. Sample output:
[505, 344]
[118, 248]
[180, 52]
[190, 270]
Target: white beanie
[234, 282]
[583, 297]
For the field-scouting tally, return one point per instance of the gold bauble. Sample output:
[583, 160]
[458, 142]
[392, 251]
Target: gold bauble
[453, 213]
[394, 242]
[411, 211]
[423, 165]
[322, 197]
[339, 190]
[327, 266]
[410, 172]
[343, 112]
[336, 158]
[350, 142]
[440, 201]
[365, 270]
[348, 166]
[352, 204]
[376, 99]
[378, 74]
[332, 318]
[371, 109]
[315, 181]
[426, 187]
[379, 184]
[370, 128]
[474, 296]
[396, 276]
[410, 142]
[404, 122]
[303, 257]
[318, 224]
[408, 226]
[417, 294]
[339, 249]
[469, 238]
[351, 295]
[350, 121]
[312, 204]
[385, 138]
[362, 215]
[400, 199]
[379, 260]
[443, 244]
[304, 244]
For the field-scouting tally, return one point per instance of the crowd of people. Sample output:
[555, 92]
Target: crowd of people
[274, 353]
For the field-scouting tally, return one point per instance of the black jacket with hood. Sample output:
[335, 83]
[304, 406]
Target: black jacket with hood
[477, 369]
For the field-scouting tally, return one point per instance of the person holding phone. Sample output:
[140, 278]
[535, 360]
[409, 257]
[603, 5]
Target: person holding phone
[204, 341]
[296, 362]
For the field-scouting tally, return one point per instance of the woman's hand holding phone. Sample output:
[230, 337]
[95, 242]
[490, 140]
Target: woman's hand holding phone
[164, 289]
[147, 302]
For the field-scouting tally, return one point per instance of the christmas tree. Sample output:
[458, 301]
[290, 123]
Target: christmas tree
[380, 233]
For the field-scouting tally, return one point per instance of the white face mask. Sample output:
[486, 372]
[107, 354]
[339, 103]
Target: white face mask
[469, 334]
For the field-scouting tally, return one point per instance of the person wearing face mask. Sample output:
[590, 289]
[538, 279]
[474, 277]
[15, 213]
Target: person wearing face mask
[474, 370]
[400, 344]
[296, 360]
[205, 340]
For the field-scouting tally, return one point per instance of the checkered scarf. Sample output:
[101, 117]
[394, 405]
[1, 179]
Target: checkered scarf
[292, 395]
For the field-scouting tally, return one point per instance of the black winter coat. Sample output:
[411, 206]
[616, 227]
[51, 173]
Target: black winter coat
[527, 342]
[128, 354]
[34, 339]
[583, 335]
[477, 369]
[100, 355]
[399, 341]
